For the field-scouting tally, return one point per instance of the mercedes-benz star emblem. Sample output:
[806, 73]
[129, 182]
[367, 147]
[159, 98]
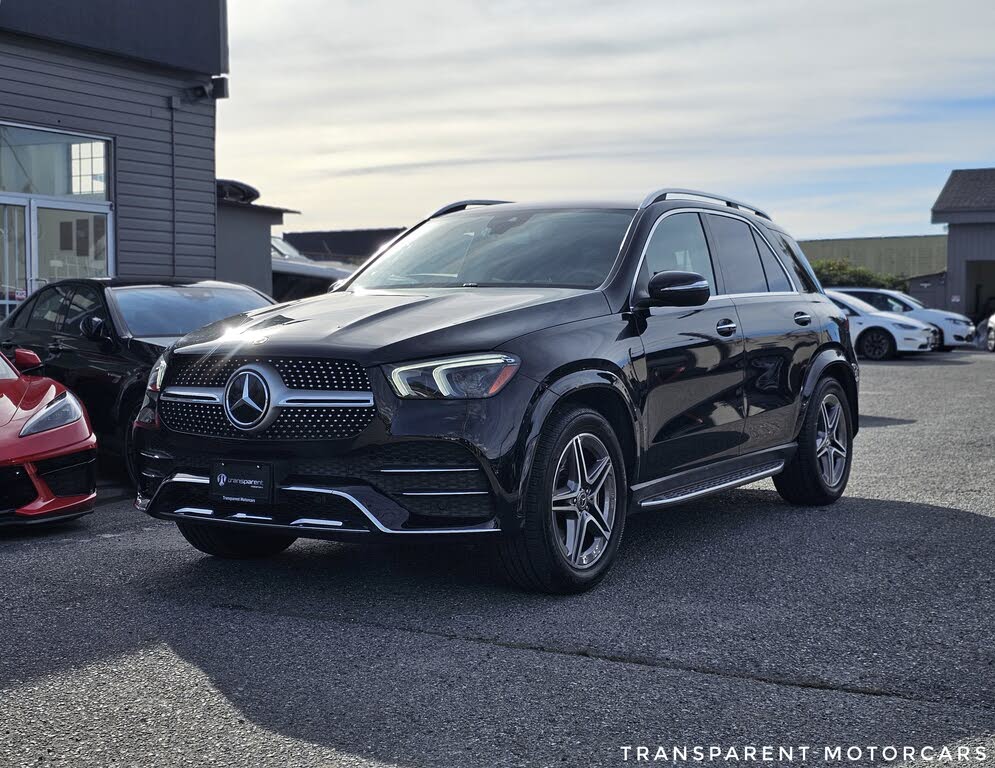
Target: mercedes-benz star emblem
[246, 399]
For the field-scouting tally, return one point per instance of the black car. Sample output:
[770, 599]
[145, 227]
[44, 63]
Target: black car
[100, 337]
[295, 276]
[525, 374]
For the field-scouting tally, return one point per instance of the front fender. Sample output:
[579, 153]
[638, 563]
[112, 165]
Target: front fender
[590, 387]
[832, 360]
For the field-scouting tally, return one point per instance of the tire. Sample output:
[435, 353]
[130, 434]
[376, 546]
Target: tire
[990, 343]
[804, 480]
[941, 347]
[233, 543]
[544, 554]
[876, 344]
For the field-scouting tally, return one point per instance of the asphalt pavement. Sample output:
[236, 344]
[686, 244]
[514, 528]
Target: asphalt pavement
[733, 621]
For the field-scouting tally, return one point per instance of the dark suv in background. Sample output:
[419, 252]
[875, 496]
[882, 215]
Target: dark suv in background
[526, 374]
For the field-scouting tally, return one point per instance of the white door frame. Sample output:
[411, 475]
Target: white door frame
[15, 201]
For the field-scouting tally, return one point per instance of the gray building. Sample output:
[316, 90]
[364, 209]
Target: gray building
[967, 206]
[107, 139]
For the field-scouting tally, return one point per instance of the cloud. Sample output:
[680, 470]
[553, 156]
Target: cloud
[370, 113]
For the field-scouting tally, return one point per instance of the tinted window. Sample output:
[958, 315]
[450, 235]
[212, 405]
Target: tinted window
[176, 311]
[777, 279]
[737, 255]
[883, 302]
[792, 257]
[849, 312]
[21, 318]
[46, 315]
[572, 248]
[678, 243]
[6, 372]
[86, 302]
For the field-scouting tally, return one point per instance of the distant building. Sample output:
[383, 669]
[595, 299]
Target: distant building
[896, 256]
[351, 246]
[967, 206]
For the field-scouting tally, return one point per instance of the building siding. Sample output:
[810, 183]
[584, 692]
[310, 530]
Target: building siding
[897, 256]
[162, 158]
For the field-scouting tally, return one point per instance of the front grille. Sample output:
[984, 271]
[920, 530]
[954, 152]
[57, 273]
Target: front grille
[291, 424]
[71, 475]
[297, 373]
[315, 374]
[16, 488]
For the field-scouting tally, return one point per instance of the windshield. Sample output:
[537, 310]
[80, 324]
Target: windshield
[854, 303]
[6, 372]
[914, 301]
[176, 311]
[281, 249]
[559, 248]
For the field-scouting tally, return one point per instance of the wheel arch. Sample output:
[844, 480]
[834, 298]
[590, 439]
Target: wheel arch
[832, 361]
[603, 391]
[864, 331]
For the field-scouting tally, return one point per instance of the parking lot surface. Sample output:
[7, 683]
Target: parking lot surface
[734, 620]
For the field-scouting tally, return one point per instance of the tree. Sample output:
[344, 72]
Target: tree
[843, 275]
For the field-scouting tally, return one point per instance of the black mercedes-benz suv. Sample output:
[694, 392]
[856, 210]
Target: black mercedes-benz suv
[526, 374]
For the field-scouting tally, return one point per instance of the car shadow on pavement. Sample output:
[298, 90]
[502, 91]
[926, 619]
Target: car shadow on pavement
[865, 622]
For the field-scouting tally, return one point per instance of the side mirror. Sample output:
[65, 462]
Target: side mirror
[92, 328]
[25, 360]
[677, 289]
[336, 285]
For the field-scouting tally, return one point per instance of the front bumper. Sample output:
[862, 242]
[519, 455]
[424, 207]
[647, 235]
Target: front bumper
[57, 487]
[418, 467]
[303, 510]
[916, 341]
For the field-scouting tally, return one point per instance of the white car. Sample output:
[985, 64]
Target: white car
[955, 330]
[881, 335]
[990, 334]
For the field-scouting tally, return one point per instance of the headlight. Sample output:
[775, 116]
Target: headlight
[157, 374]
[468, 377]
[908, 327]
[63, 410]
[959, 321]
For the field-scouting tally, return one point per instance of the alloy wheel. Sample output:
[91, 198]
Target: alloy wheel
[831, 441]
[875, 345]
[584, 500]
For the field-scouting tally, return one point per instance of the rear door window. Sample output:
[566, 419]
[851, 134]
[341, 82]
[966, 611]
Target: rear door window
[736, 254]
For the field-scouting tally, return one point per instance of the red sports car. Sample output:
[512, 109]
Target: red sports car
[47, 448]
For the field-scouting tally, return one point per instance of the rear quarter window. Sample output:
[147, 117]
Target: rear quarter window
[794, 259]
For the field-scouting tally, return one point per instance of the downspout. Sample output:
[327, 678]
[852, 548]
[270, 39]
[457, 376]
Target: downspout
[174, 104]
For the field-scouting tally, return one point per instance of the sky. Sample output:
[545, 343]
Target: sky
[842, 118]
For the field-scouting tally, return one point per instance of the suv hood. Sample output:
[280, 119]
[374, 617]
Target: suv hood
[375, 327]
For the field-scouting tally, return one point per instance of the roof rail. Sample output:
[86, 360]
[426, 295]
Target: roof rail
[661, 194]
[462, 205]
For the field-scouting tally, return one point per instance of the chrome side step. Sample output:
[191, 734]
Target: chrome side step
[720, 483]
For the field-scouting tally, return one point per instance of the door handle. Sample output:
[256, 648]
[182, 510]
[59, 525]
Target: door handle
[803, 318]
[725, 327]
